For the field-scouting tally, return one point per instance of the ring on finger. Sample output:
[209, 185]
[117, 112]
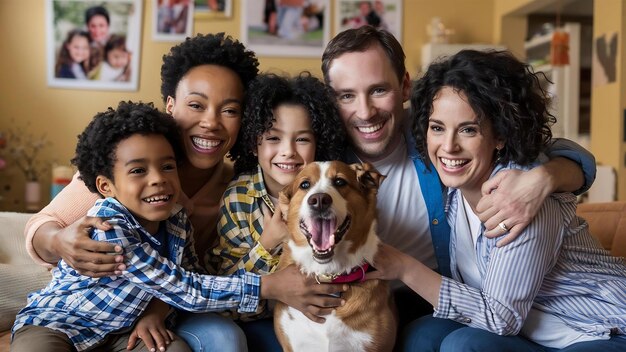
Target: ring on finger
[502, 225]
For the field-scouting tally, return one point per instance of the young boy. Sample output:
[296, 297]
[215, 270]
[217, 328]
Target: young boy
[128, 156]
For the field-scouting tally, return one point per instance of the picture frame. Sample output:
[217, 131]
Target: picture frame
[103, 55]
[385, 14]
[172, 21]
[212, 9]
[304, 32]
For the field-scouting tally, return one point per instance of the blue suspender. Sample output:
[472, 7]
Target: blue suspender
[439, 228]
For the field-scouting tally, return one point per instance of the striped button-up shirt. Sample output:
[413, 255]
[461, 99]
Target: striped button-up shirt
[87, 309]
[554, 266]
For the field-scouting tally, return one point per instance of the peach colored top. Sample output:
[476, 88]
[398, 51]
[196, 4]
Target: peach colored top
[75, 199]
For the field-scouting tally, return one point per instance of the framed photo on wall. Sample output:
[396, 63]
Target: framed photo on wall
[300, 29]
[172, 20]
[93, 44]
[207, 9]
[385, 14]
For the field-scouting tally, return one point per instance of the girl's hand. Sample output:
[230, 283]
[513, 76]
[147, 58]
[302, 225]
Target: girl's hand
[274, 228]
[151, 328]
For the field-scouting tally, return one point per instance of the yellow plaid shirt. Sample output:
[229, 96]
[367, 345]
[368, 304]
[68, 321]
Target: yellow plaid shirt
[239, 228]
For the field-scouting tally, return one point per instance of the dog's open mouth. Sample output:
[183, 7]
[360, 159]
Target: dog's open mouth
[323, 235]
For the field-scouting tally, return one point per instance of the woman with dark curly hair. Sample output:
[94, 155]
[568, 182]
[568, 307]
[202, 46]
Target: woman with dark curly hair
[289, 122]
[554, 287]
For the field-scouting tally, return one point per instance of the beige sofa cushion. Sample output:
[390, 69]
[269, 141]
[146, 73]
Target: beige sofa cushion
[19, 275]
[607, 222]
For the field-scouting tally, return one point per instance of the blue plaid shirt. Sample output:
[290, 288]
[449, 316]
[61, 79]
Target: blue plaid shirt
[87, 309]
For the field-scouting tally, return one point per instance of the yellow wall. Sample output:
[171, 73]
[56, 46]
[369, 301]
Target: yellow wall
[609, 101]
[26, 102]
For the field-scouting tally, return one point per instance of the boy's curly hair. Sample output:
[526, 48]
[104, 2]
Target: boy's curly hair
[269, 91]
[97, 144]
[209, 49]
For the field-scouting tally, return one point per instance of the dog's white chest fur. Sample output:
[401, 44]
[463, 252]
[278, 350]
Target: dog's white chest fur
[306, 335]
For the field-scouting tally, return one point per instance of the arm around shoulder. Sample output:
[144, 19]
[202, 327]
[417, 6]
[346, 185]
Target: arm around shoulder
[572, 167]
[67, 207]
[59, 231]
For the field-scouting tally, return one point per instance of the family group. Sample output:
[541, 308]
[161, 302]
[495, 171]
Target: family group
[160, 243]
[93, 52]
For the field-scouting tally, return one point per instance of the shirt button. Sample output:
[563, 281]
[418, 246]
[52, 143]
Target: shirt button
[435, 221]
[466, 320]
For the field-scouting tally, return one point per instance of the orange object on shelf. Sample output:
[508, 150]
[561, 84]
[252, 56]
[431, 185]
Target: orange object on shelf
[559, 48]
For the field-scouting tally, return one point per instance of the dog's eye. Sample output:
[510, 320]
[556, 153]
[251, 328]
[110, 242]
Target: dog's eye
[340, 182]
[305, 184]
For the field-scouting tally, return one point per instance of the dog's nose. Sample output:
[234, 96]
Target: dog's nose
[320, 201]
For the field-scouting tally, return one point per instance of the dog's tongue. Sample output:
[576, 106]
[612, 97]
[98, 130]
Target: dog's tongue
[322, 236]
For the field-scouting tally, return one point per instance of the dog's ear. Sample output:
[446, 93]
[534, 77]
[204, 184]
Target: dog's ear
[367, 175]
[284, 196]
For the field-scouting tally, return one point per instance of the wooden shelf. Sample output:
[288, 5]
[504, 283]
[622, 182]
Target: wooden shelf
[538, 41]
[564, 81]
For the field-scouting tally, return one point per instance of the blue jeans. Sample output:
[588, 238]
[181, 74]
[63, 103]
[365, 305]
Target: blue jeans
[210, 332]
[260, 335]
[434, 334]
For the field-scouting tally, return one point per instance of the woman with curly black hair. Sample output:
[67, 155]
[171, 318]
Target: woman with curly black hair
[554, 287]
[289, 122]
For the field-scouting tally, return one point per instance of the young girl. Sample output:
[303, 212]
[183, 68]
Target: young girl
[287, 123]
[116, 64]
[73, 59]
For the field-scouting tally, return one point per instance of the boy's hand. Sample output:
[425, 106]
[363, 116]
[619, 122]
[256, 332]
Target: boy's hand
[151, 328]
[87, 256]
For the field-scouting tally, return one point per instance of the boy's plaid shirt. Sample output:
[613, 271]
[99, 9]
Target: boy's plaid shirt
[87, 309]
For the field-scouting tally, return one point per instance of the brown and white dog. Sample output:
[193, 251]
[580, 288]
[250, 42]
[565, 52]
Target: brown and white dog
[330, 209]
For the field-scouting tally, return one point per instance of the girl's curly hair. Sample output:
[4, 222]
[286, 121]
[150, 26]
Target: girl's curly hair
[269, 91]
[210, 49]
[97, 144]
[500, 89]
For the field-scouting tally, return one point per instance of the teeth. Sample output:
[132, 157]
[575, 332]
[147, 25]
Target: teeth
[370, 129]
[161, 198]
[331, 243]
[287, 166]
[205, 143]
[453, 163]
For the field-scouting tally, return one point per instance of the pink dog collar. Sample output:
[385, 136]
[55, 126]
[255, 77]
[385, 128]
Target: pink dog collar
[357, 274]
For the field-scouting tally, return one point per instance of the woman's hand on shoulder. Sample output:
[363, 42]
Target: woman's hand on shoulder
[88, 257]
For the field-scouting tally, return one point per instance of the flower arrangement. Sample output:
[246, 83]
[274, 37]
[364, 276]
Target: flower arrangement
[23, 149]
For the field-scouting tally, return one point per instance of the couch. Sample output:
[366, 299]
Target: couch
[20, 275]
